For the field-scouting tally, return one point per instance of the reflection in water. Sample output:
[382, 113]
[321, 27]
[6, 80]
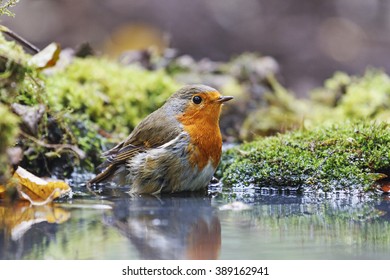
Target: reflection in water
[169, 227]
[304, 227]
[116, 226]
[18, 219]
[384, 207]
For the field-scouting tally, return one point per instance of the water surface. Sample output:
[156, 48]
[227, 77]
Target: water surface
[220, 225]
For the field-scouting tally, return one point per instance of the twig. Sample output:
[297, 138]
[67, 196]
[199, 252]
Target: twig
[19, 39]
[73, 148]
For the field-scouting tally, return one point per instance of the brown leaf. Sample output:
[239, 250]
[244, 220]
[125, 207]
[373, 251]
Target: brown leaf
[37, 190]
[385, 187]
[2, 191]
[47, 57]
[384, 183]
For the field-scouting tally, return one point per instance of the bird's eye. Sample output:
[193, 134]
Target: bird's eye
[197, 99]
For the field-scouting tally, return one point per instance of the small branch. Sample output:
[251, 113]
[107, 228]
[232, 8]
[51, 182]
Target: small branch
[73, 148]
[19, 39]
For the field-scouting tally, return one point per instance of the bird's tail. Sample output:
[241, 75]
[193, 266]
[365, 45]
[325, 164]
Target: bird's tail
[107, 173]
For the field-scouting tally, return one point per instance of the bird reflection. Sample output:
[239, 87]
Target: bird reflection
[174, 227]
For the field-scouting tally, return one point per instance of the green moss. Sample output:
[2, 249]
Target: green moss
[8, 132]
[349, 157]
[113, 96]
[367, 97]
[354, 98]
[334, 88]
[19, 82]
[12, 50]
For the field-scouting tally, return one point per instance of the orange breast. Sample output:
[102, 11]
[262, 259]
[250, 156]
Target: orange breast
[205, 135]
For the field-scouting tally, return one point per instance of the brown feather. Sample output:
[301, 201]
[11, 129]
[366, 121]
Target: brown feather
[107, 173]
[124, 154]
[155, 130]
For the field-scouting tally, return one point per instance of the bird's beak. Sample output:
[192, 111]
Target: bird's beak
[223, 99]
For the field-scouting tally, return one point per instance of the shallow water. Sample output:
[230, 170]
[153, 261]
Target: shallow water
[221, 225]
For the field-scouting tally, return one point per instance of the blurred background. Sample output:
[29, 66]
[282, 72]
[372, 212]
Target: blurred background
[310, 39]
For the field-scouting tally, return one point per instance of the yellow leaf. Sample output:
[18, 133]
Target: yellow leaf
[37, 190]
[2, 191]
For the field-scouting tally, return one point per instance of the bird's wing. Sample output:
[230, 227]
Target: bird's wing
[115, 158]
[124, 153]
[154, 131]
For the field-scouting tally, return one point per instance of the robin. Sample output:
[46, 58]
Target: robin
[176, 148]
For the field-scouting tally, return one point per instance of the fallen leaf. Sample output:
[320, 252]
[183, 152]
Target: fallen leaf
[37, 190]
[384, 184]
[386, 187]
[47, 57]
[2, 191]
[66, 57]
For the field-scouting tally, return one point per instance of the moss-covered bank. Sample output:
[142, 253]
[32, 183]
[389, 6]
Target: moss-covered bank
[70, 113]
[349, 157]
[337, 146]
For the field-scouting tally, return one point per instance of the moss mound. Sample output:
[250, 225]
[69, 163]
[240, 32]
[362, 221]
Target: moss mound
[343, 97]
[347, 157]
[113, 96]
[358, 98]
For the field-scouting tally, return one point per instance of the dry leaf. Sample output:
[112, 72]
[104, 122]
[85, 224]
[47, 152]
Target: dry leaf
[2, 191]
[384, 184]
[385, 187]
[37, 190]
[47, 57]
[18, 218]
